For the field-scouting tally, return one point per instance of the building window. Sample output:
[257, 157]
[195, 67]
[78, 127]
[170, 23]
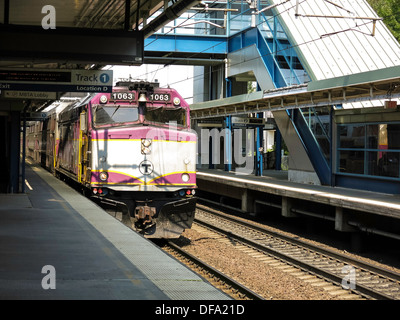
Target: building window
[371, 149]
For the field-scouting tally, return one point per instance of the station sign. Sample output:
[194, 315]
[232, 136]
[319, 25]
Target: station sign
[210, 123]
[35, 116]
[57, 80]
[247, 122]
[31, 95]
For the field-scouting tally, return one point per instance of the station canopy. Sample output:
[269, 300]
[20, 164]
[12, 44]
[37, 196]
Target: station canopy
[77, 35]
[35, 33]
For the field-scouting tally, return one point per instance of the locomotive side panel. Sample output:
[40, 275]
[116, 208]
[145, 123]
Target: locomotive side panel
[69, 142]
[50, 147]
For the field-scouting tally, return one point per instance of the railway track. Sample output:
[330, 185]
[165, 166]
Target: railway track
[355, 276]
[215, 277]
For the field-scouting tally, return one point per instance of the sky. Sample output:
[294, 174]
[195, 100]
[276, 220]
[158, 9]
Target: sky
[177, 77]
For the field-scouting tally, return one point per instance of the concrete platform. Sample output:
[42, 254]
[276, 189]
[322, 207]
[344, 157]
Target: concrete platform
[85, 252]
[350, 210]
[373, 202]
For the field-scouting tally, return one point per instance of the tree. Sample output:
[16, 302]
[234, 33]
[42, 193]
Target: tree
[389, 10]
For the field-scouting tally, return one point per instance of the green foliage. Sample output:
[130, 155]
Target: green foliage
[389, 10]
[251, 86]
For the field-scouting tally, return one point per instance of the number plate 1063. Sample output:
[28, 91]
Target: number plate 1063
[159, 97]
[122, 96]
[131, 96]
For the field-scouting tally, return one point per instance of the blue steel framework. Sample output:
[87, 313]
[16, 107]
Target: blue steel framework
[282, 63]
[198, 32]
[284, 66]
[217, 32]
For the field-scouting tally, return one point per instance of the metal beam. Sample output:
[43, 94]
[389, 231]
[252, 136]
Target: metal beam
[193, 45]
[380, 84]
[182, 61]
[6, 11]
[169, 14]
[71, 45]
[127, 25]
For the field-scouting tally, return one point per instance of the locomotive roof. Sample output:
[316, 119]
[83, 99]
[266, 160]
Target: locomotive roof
[73, 109]
[79, 103]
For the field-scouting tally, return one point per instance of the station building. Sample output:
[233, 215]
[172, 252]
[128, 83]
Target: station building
[301, 92]
[287, 48]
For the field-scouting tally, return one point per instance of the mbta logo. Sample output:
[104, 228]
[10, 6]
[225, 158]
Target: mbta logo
[146, 167]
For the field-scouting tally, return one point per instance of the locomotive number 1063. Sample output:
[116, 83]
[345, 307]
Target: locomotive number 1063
[122, 96]
[131, 96]
[159, 97]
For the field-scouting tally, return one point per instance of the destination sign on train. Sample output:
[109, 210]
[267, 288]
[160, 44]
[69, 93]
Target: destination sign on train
[57, 80]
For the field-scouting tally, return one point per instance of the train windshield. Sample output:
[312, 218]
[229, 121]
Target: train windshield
[104, 115]
[166, 115]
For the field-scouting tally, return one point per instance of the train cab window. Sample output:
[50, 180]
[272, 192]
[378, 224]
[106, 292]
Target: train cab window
[166, 115]
[104, 115]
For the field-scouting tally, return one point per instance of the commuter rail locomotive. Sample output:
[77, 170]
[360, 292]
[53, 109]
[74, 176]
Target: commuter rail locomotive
[132, 147]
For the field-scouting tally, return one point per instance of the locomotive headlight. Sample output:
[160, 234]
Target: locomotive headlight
[146, 146]
[177, 101]
[103, 99]
[185, 177]
[145, 150]
[103, 176]
[186, 161]
[146, 142]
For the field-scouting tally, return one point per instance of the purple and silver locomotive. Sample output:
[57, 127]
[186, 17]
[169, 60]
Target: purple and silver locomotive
[132, 147]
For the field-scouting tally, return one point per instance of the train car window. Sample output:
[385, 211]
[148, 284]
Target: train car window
[166, 115]
[104, 115]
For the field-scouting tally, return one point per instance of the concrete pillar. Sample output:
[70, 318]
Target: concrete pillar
[247, 201]
[286, 208]
[14, 149]
[341, 219]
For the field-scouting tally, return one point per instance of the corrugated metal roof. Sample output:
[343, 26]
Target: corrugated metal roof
[334, 47]
[326, 49]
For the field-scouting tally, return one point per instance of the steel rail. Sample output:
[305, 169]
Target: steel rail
[360, 289]
[356, 262]
[227, 280]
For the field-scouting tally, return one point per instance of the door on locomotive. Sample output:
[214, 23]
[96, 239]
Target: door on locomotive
[84, 150]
